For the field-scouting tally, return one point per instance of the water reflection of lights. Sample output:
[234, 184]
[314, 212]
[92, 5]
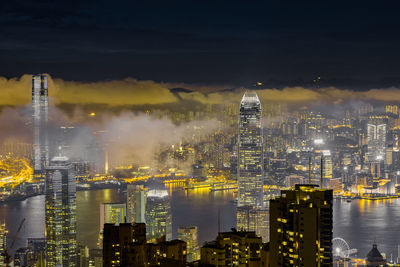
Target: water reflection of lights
[107, 194]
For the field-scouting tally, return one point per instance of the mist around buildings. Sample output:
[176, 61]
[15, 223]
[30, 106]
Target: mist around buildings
[286, 155]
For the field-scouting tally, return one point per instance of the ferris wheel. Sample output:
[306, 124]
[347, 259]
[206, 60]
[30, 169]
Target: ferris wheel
[340, 248]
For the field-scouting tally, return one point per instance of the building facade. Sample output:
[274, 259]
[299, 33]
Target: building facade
[125, 245]
[250, 214]
[253, 220]
[158, 215]
[136, 203]
[189, 235]
[376, 139]
[301, 227]
[60, 221]
[3, 244]
[40, 107]
[250, 156]
[112, 213]
[237, 248]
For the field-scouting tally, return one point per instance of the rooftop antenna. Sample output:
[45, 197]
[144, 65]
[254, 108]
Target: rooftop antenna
[317, 81]
[322, 171]
[309, 170]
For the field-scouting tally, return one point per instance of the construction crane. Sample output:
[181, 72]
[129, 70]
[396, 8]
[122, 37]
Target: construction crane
[13, 241]
[16, 234]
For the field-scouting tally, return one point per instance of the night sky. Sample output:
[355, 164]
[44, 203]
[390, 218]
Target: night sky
[281, 43]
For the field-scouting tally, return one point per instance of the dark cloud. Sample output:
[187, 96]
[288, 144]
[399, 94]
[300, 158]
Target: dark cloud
[350, 44]
[133, 94]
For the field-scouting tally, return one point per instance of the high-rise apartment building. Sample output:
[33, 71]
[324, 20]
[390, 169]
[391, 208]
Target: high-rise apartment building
[167, 253]
[237, 248]
[301, 227]
[40, 107]
[60, 221]
[250, 157]
[136, 203]
[189, 235]
[124, 245]
[158, 215]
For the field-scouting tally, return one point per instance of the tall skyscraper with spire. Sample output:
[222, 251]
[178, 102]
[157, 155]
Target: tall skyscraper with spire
[40, 107]
[60, 221]
[251, 215]
[250, 165]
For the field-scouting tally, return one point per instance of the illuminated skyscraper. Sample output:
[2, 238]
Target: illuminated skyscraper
[3, 244]
[136, 203]
[189, 235]
[40, 107]
[376, 139]
[328, 169]
[250, 169]
[250, 213]
[60, 223]
[253, 220]
[301, 227]
[158, 215]
[114, 213]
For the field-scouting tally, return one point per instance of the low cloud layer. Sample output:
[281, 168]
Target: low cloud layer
[131, 92]
[138, 136]
[128, 137]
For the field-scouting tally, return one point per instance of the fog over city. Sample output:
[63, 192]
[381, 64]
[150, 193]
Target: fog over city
[189, 141]
[120, 110]
[199, 133]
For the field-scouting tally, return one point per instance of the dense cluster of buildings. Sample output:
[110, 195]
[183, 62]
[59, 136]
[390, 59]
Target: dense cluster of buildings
[308, 155]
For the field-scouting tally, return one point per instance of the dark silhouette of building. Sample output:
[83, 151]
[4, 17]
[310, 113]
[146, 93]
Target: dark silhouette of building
[167, 253]
[125, 245]
[374, 258]
[301, 227]
[236, 248]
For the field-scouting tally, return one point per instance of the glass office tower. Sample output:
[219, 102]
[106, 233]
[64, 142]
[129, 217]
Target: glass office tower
[60, 221]
[40, 107]
[250, 167]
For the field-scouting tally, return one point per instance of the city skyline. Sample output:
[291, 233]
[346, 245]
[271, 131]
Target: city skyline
[240, 153]
[194, 134]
